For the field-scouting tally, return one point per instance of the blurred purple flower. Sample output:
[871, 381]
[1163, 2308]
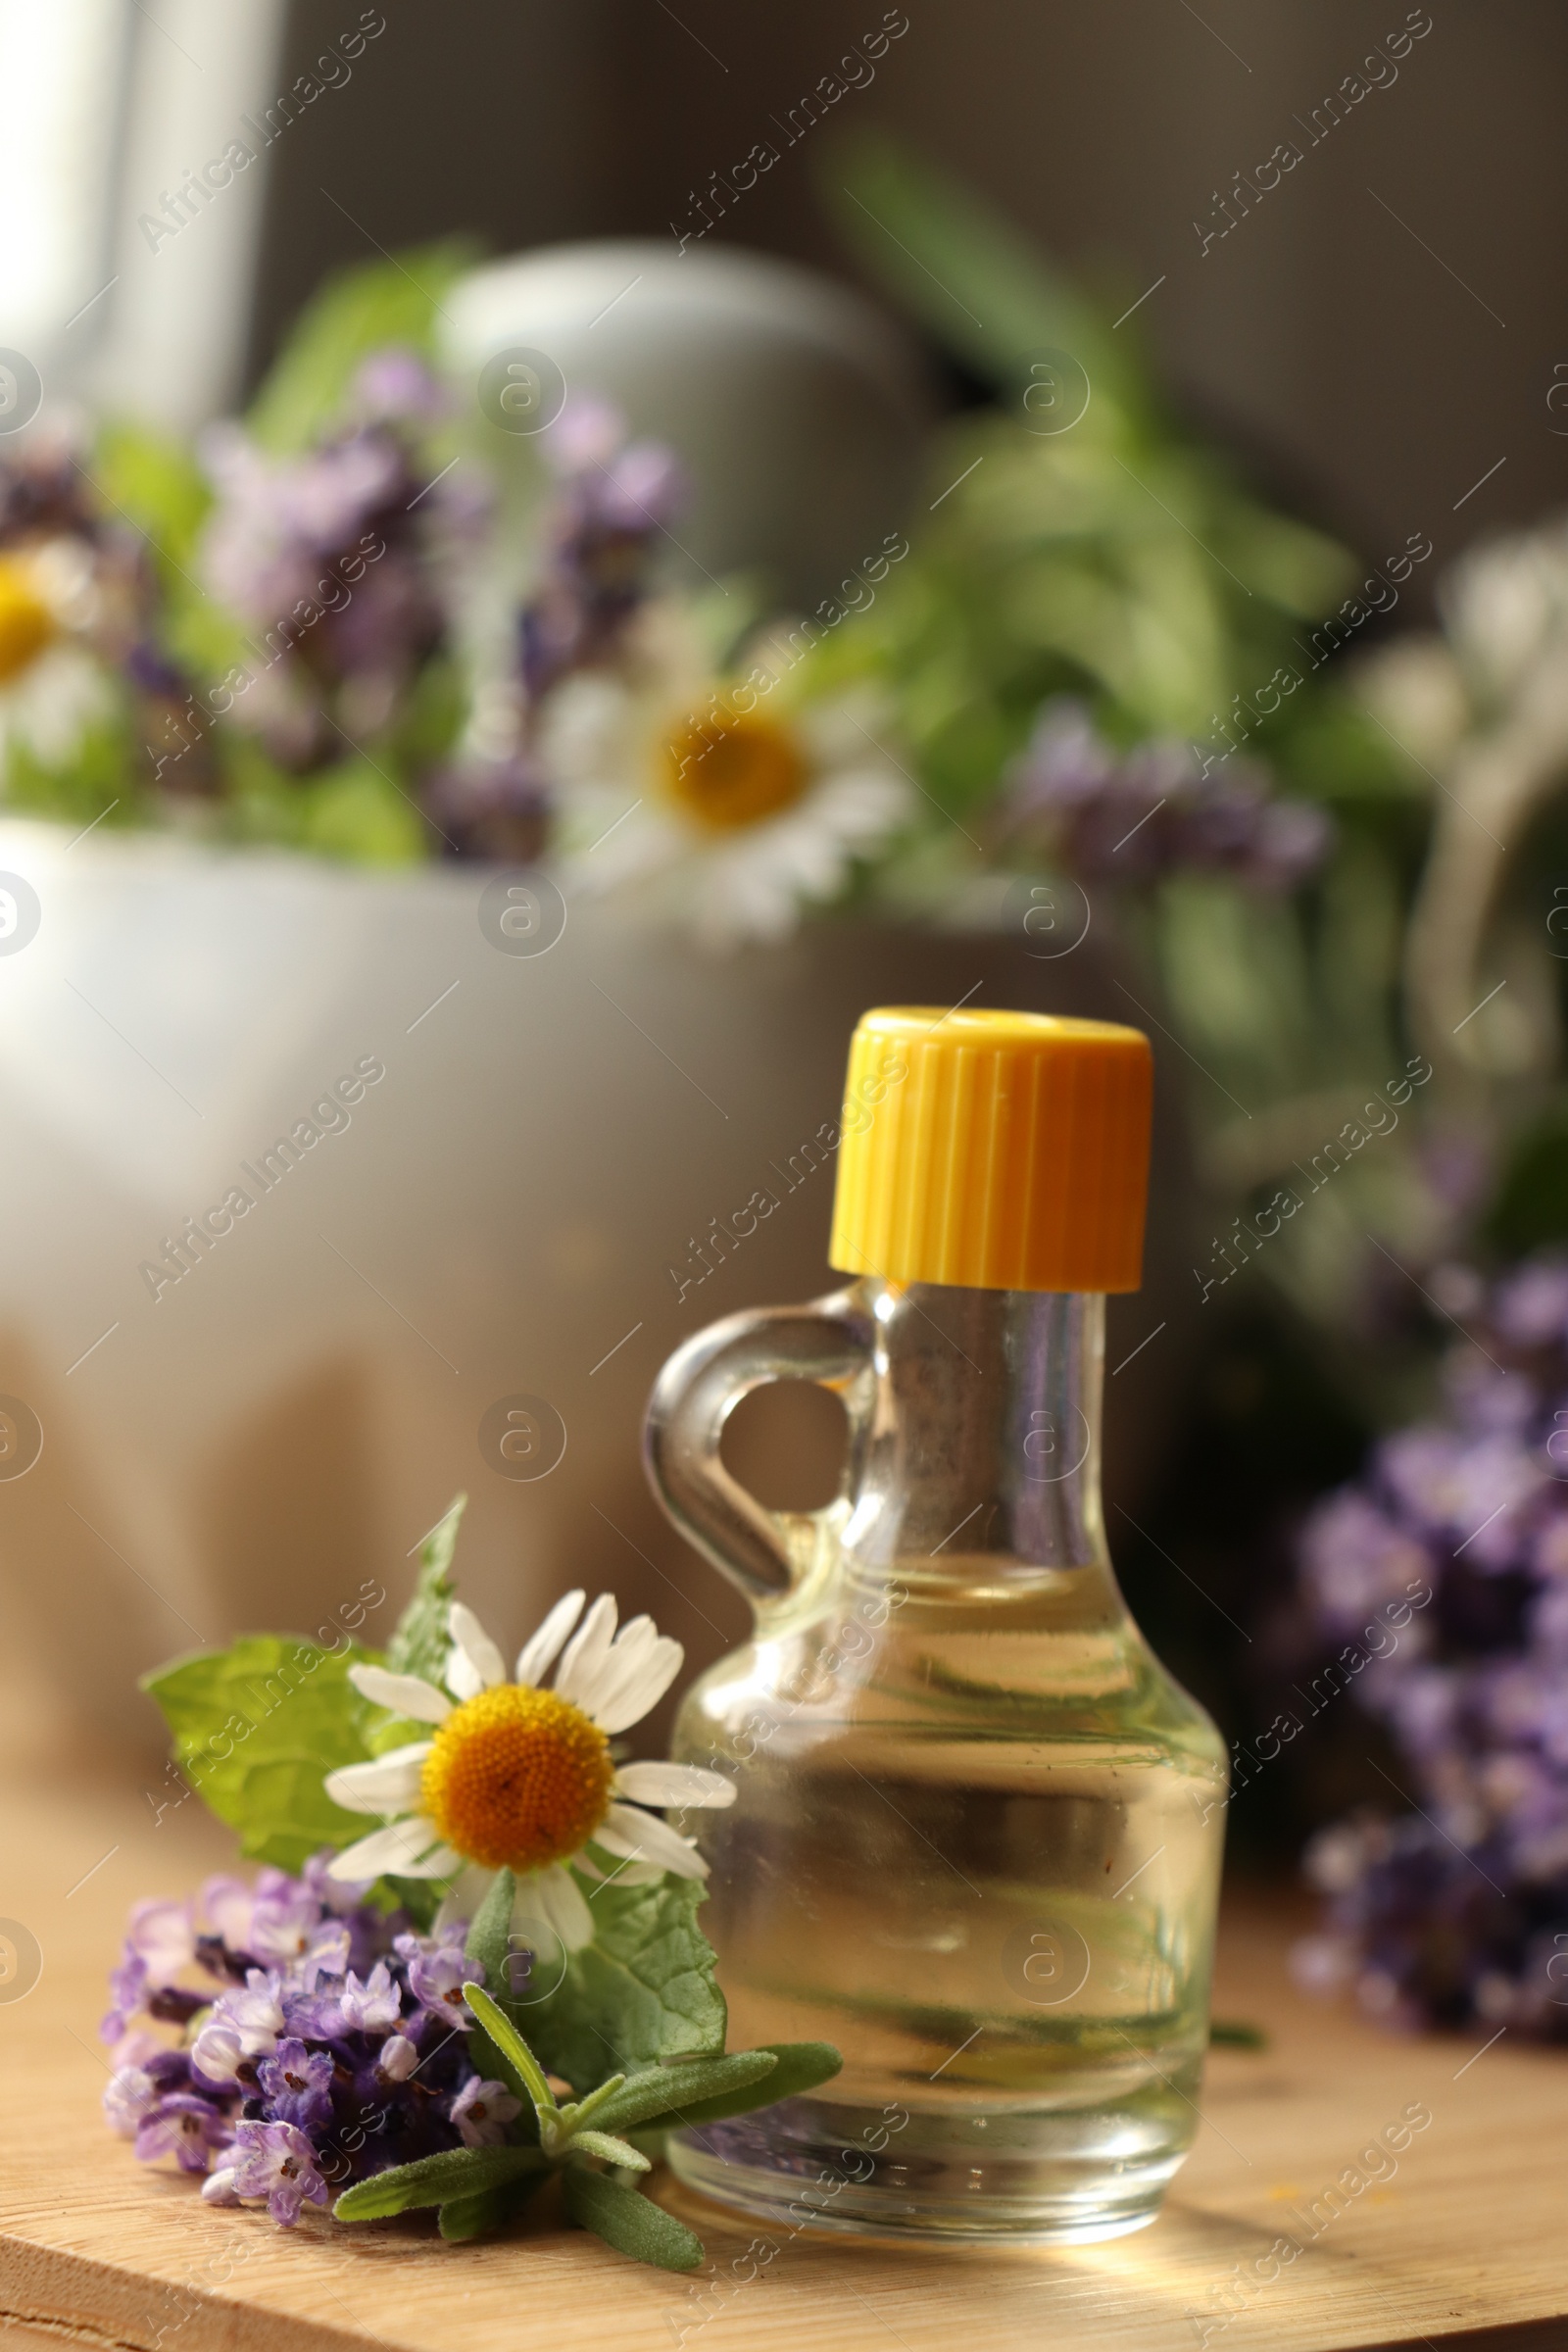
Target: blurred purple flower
[496, 809]
[614, 503]
[1451, 1915]
[1113, 816]
[337, 561]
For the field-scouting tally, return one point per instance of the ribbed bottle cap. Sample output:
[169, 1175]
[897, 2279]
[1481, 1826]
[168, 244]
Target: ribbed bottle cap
[999, 1150]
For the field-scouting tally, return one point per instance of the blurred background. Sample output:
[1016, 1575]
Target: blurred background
[1157, 421]
[1378, 377]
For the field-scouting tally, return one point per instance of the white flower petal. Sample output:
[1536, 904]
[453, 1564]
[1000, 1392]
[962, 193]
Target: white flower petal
[553, 1896]
[388, 1784]
[461, 1675]
[647, 1839]
[541, 1650]
[475, 1643]
[404, 1694]
[624, 1874]
[442, 1862]
[618, 1667]
[654, 1673]
[675, 1785]
[463, 1896]
[587, 1649]
[401, 1847]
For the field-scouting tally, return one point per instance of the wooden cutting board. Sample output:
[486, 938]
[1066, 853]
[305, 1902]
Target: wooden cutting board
[1463, 2243]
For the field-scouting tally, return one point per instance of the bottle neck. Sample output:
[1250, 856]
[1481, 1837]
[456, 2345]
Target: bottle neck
[982, 1460]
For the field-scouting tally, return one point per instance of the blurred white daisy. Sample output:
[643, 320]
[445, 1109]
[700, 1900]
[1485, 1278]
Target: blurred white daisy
[519, 1778]
[724, 807]
[51, 687]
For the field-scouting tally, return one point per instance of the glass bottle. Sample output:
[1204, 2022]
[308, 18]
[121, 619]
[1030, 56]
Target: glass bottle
[977, 1831]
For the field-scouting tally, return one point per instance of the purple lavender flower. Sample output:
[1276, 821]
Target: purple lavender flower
[45, 491]
[396, 2059]
[481, 2112]
[614, 505]
[277, 2161]
[162, 1934]
[129, 2099]
[438, 1973]
[226, 1905]
[1113, 817]
[297, 2086]
[489, 807]
[183, 2126]
[1451, 1915]
[126, 1986]
[220, 2057]
[373, 2007]
[336, 562]
[283, 1919]
[395, 386]
[318, 2069]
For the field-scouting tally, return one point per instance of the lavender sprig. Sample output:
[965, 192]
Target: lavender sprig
[1457, 1912]
[322, 2040]
[1108, 815]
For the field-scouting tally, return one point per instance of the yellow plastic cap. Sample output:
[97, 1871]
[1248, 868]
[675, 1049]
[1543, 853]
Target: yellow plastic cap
[999, 1150]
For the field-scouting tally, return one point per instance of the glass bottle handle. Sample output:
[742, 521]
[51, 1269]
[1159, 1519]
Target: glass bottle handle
[829, 1341]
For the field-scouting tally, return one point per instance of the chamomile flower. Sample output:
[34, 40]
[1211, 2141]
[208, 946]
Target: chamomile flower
[724, 808]
[517, 1776]
[52, 686]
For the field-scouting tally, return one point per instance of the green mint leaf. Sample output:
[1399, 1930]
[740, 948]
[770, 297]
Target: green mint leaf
[256, 1727]
[629, 2221]
[462, 2219]
[644, 1989]
[802, 2065]
[605, 2144]
[683, 2089]
[456, 2174]
[512, 2046]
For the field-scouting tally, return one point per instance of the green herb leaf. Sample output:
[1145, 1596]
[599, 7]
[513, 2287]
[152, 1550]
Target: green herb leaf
[456, 2175]
[802, 2065]
[605, 2144]
[419, 1645]
[489, 1938]
[629, 2221]
[420, 1641]
[464, 2218]
[488, 1949]
[683, 2089]
[1235, 2033]
[355, 313]
[512, 2046]
[256, 1727]
[644, 1989]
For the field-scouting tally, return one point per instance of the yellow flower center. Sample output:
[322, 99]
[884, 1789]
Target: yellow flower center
[733, 769]
[27, 625]
[516, 1778]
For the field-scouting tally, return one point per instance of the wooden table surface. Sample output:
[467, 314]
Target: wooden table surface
[1463, 2246]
